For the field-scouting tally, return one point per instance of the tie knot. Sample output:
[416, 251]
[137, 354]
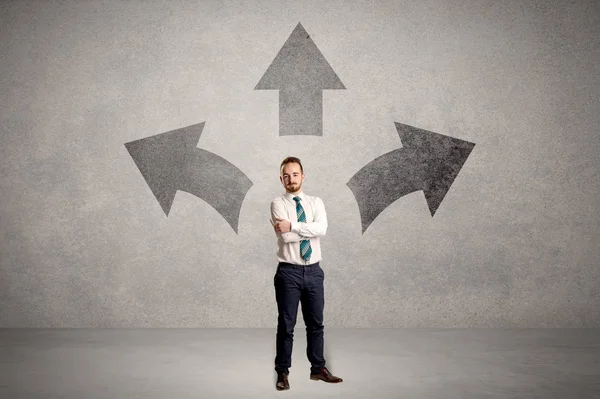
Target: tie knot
[297, 199]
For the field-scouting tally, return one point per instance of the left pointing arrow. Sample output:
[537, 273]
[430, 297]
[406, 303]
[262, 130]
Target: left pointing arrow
[171, 161]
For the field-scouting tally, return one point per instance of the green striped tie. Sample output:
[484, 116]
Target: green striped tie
[305, 250]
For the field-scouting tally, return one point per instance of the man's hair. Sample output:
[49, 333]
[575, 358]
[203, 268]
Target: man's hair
[291, 160]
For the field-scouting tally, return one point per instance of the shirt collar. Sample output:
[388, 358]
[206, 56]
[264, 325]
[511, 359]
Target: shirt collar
[291, 196]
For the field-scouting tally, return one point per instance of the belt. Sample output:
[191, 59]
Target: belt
[285, 264]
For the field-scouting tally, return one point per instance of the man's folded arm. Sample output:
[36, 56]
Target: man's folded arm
[318, 227]
[278, 212]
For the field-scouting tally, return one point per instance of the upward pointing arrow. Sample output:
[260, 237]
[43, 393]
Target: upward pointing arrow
[300, 73]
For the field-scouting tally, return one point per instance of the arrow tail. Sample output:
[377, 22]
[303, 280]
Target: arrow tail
[218, 182]
[300, 113]
[383, 181]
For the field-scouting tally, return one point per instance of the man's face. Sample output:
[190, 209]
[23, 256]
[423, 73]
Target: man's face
[291, 177]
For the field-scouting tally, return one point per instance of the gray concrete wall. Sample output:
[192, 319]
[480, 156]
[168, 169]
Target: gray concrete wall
[84, 242]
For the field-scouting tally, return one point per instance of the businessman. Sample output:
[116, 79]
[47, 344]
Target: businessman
[299, 220]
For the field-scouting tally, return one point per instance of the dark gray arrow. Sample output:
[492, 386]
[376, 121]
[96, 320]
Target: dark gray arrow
[171, 161]
[300, 73]
[427, 161]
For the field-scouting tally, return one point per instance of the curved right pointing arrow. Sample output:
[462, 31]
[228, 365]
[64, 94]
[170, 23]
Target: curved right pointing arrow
[427, 161]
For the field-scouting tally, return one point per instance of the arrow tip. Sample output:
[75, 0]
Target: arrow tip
[299, 64]
[160, 159]
[443, 155]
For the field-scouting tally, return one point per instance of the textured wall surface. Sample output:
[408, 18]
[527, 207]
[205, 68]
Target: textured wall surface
[84, 242]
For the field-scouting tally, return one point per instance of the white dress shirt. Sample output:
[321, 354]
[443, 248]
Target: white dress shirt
[284, 207]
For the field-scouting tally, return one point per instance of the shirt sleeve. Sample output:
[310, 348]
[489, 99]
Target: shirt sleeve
[318, 227]
[278, 211]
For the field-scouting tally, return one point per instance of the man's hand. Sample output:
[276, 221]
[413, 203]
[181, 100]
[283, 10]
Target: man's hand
[282, 226]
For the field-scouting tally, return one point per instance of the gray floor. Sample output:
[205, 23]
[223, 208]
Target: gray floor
[238, 363]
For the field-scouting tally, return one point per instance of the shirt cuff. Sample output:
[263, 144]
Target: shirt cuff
[295, 227]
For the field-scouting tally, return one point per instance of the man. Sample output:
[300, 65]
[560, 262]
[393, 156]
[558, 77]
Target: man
[299, 220]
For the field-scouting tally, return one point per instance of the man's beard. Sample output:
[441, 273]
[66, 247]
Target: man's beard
[293, 188]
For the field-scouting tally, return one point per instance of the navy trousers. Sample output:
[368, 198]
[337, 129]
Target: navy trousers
[299, 284]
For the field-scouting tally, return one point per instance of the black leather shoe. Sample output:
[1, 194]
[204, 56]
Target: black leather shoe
[325, 375]
[282, 381]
